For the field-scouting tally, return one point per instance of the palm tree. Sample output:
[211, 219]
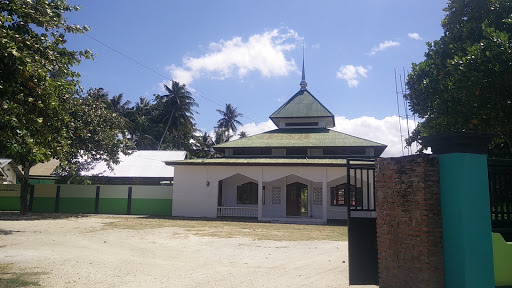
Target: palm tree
[229, 120]
[177, 106]
[117, 105]
[203, 146]
[121, 108]
[243, 134]
[143, 127]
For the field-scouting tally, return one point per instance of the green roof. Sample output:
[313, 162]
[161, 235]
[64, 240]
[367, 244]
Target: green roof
[271, 162]
[260, 162]
[302, 104]
[300, 137]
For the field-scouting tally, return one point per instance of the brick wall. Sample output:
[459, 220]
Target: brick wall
[409, 229]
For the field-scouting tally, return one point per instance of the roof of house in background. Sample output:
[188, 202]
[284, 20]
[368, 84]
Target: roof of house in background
[44, 169]
[138, 164]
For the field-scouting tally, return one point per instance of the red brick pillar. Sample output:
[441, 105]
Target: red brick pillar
[409, 227]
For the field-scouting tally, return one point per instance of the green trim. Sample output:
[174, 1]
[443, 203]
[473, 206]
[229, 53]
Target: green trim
[502, 254]
[151, 207]
[42, 181]
[261, 162]
[43, 205]
[77, 205]
[9, 203]
[113, 206]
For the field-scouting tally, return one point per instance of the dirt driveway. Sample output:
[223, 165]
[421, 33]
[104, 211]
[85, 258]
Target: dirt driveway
[126, 251]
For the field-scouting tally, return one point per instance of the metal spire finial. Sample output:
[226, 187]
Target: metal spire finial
[303, 83]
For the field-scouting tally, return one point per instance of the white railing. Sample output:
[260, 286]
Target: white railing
[336, 214]
[237, 212]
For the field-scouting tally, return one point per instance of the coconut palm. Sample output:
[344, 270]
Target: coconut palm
[118, 105]
[222, 135]
[203, 146]
[143, 128]
[177, 107]
[229, 119]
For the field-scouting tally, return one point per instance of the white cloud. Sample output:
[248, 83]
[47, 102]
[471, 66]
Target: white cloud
[352, 73]
[414, 36]
[385, 131]
[383, 46]
[316, 46]
[263, 53]
[252, 128]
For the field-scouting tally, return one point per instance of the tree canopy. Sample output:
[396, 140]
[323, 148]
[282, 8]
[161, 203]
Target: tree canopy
[43, 115]
[465, 81]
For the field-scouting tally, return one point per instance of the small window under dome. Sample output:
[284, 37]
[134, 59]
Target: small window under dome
[301, 124]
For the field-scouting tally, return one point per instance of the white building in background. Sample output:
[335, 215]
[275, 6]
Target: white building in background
[8, 171]
[295, 173]
[143, 167]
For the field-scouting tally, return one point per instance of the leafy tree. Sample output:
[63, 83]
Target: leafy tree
[93, 134]
[243, 134]
[37, 87]
[229, 118]
[203, 146]
[465, 81]
[177, 107]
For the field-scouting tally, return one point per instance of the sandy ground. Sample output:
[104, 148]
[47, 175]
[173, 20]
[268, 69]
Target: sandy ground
[78, 252]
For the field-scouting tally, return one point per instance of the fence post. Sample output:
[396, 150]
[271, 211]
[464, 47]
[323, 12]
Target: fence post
[57, 199]
[97, 200]
[466, 219]
[129, 206]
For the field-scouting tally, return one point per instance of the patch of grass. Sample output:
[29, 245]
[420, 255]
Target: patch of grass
[9, 278]
[234, 229]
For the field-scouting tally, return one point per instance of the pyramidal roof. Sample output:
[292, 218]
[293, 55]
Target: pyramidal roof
[302, 104]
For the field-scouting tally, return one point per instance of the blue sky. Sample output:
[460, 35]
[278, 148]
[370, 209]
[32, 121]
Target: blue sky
[249, 53]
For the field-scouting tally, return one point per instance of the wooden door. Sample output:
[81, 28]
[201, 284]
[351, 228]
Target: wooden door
[293, 199]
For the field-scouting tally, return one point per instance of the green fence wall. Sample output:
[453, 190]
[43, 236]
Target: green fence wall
[10, 197]
[89, 199]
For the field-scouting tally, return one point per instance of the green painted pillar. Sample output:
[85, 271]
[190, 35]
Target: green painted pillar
[465, 208]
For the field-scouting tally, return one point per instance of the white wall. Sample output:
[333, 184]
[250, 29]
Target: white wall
[194, 198]
[278, 208]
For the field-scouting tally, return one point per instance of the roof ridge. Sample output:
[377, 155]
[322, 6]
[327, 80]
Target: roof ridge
[292, 99]
[356, 136]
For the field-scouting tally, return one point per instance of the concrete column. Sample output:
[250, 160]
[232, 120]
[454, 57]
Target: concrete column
[260, 195]
[325, 201]
[466, 217]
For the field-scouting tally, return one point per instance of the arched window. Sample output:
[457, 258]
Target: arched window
[338, 194]
[247, 193]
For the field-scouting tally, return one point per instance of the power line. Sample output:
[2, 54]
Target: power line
[163, 76]
[399, 118]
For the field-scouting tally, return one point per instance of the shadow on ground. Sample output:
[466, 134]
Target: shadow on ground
[16, 216]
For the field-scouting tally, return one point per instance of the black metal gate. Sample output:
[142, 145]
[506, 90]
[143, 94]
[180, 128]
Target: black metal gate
[500, 194]
[361, 222]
